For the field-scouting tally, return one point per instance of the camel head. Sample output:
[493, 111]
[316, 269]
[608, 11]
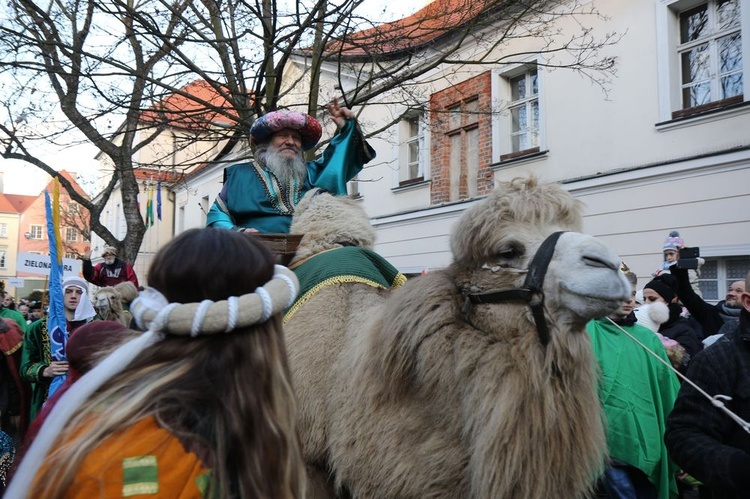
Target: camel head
[107, 303]
[327, 221]
[497, 239]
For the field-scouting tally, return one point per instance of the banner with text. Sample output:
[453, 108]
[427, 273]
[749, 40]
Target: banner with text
[40, 264]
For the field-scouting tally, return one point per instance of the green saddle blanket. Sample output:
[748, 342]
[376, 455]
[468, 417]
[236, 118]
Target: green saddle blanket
[343, 265]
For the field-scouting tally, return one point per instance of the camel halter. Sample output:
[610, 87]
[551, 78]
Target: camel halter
[530, 292]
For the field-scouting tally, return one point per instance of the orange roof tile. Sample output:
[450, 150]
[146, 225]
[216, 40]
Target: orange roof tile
[6, 206]
[182, 111]
[424, 26]
[153, 175]
[20, 202]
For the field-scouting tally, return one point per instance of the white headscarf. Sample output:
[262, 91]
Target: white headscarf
[84, 310]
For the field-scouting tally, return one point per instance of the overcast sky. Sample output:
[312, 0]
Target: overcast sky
[21, 178]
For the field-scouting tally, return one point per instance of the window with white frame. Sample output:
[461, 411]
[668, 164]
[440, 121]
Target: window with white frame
[701, 67]
[36, 232]
[3, 230]
[3, 257]
[181, 219]
[352, 188]
[717, 274]
[71, 234]
[524, 111]
[412, 153]
[71, 256]
[463, 135]
[710, 52]
[518, 127]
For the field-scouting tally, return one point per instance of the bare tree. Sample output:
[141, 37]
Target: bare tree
[71, 70]
[73, 216]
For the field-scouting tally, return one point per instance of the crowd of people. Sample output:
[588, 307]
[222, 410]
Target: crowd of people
[662, 356]
[194, 396]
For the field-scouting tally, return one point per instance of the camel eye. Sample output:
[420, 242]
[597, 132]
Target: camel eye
[511, 252]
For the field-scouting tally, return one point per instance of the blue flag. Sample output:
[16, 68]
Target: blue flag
[158, 199]
[56, 324]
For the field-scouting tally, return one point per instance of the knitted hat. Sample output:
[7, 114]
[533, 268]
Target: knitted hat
[109, 249]
[272, 122]
[673, 242]
[665, 285]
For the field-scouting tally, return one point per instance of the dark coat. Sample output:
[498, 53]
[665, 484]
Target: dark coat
[702, 439]
[679, 329]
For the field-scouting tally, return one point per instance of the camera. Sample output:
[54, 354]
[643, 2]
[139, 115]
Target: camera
[688, 258]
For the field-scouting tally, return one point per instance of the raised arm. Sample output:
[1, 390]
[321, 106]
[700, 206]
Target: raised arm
[706, 314]
[345, 155]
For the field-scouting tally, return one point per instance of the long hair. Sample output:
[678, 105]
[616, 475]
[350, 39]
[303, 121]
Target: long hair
[227, 397]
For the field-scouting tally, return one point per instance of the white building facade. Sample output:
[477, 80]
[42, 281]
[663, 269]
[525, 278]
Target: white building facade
[667, 147]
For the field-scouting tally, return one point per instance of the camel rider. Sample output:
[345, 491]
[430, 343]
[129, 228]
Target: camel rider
[260, 195]
[110, 272]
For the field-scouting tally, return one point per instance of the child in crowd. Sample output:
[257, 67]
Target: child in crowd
[671, 251]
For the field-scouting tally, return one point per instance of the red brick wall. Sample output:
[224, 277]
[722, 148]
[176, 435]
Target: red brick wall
[478, 88]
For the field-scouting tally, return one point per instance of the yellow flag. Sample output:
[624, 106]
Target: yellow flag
[56, 219]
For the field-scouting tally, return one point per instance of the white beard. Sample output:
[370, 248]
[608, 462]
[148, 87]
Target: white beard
[285, 169]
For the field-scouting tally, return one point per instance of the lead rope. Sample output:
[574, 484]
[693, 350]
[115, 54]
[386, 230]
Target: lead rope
[716, 400]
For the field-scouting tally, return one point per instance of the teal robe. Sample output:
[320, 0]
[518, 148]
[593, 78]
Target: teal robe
[35, 358]
[637, 393]
[252, 197]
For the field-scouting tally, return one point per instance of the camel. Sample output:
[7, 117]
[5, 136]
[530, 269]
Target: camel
[437, 391]
[109, 307]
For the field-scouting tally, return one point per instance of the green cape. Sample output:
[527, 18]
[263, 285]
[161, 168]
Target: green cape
[637, 393]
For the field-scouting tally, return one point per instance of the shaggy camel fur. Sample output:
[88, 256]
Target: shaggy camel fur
[420, 396]
[128, 293]
[328, 222]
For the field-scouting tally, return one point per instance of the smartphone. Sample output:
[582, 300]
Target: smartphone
[688, 258]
